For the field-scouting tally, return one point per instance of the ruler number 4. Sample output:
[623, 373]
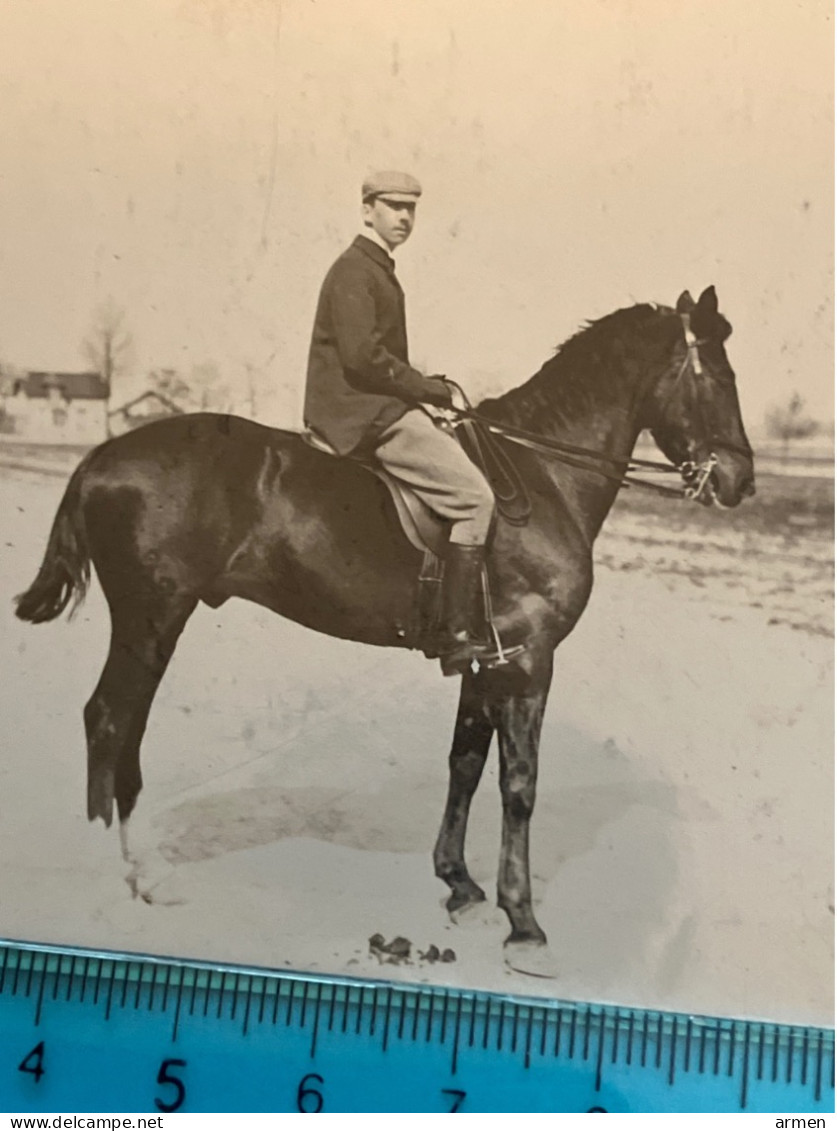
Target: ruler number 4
[33, 1062]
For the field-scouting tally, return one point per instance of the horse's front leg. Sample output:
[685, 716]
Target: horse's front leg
[471, 740]
[517, 713]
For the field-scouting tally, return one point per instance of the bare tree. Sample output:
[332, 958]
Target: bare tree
[108, 345]
[787, 422]
[173, 387]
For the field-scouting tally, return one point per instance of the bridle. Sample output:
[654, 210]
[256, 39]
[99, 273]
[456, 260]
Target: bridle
[695, 476]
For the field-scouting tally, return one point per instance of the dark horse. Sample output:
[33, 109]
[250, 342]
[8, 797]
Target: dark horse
[206, 507]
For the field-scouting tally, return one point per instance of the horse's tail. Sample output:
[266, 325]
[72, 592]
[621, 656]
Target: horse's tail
[65, 571]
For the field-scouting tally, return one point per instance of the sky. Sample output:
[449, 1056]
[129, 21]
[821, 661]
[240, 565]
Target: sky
[199, 162]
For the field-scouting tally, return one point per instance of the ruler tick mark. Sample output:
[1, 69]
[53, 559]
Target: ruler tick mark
[527, 1054]
[71, 978]
[290, 1010]
[331, 1007]
[40, 1000]
[455, 1050]
[501, 1025]
[192, 995]
[30, 973]
[444, 1018]
[111, 982]
[247, 1002]
[745, 1069]
[303, 1011]
[177, 1008]
[818, 1078]
[166, 987]
[312, 1052]
[429, 1029]
[387, 1013]
[60, 976]
[789, 1063]
[15, 979]
[600, 1053]
[345, 1008]
[673, 1053]
[84, 971]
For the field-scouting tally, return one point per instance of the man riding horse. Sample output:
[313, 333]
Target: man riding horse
[364, 398]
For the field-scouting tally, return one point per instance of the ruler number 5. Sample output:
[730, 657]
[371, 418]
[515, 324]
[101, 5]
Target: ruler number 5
[166, 1077]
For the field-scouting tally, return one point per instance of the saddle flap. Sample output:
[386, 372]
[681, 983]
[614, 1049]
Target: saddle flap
[423, 529]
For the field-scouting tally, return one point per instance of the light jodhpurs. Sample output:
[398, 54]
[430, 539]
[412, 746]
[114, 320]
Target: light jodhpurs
[420, 454]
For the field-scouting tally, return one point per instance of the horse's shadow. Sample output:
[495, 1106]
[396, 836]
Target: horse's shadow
[606, 854]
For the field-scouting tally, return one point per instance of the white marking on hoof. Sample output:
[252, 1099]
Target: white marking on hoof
[534, 959]
[127, 855]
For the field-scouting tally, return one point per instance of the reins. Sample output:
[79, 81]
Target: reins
[564, 453]
[508, 483]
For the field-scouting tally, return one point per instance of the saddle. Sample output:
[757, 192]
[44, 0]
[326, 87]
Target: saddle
[429, 534]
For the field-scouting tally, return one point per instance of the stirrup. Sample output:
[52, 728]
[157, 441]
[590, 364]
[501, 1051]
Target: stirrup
[501, 657]
[483, 655]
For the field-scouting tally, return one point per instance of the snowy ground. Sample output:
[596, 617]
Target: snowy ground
[682, 837]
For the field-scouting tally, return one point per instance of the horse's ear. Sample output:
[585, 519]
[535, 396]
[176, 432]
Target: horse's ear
[685, 304]
[708, 301]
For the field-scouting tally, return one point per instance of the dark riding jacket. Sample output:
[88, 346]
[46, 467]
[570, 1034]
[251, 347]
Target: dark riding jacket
[359, 379]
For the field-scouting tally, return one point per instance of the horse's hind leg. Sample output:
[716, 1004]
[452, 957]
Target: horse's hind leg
[471, 740]
[143, 638]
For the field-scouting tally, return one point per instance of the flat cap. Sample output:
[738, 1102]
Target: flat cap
[396, 186]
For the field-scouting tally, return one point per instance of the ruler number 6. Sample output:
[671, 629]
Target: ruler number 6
[33, 1062]
[311, 1095]
[166, 1077]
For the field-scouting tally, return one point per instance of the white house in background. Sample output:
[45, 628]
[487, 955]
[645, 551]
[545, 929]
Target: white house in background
[54, 408]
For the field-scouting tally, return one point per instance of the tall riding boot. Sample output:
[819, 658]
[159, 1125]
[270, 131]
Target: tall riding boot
[462, 641]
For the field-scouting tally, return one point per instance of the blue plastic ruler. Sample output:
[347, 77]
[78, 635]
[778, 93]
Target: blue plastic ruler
[91, 1032]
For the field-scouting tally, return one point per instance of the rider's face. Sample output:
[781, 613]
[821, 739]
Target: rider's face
[392, 219]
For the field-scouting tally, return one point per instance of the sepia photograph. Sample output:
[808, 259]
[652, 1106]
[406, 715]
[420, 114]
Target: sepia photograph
[417, 487]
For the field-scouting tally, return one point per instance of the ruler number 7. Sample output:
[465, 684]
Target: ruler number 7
[457, 1098]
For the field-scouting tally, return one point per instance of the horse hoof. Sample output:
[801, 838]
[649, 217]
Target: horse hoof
[156, 888]
[532, 958]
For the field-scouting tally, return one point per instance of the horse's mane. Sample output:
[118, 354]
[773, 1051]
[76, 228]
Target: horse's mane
[583, 368]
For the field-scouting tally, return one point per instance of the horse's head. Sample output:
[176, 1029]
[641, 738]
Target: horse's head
[696, 418]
